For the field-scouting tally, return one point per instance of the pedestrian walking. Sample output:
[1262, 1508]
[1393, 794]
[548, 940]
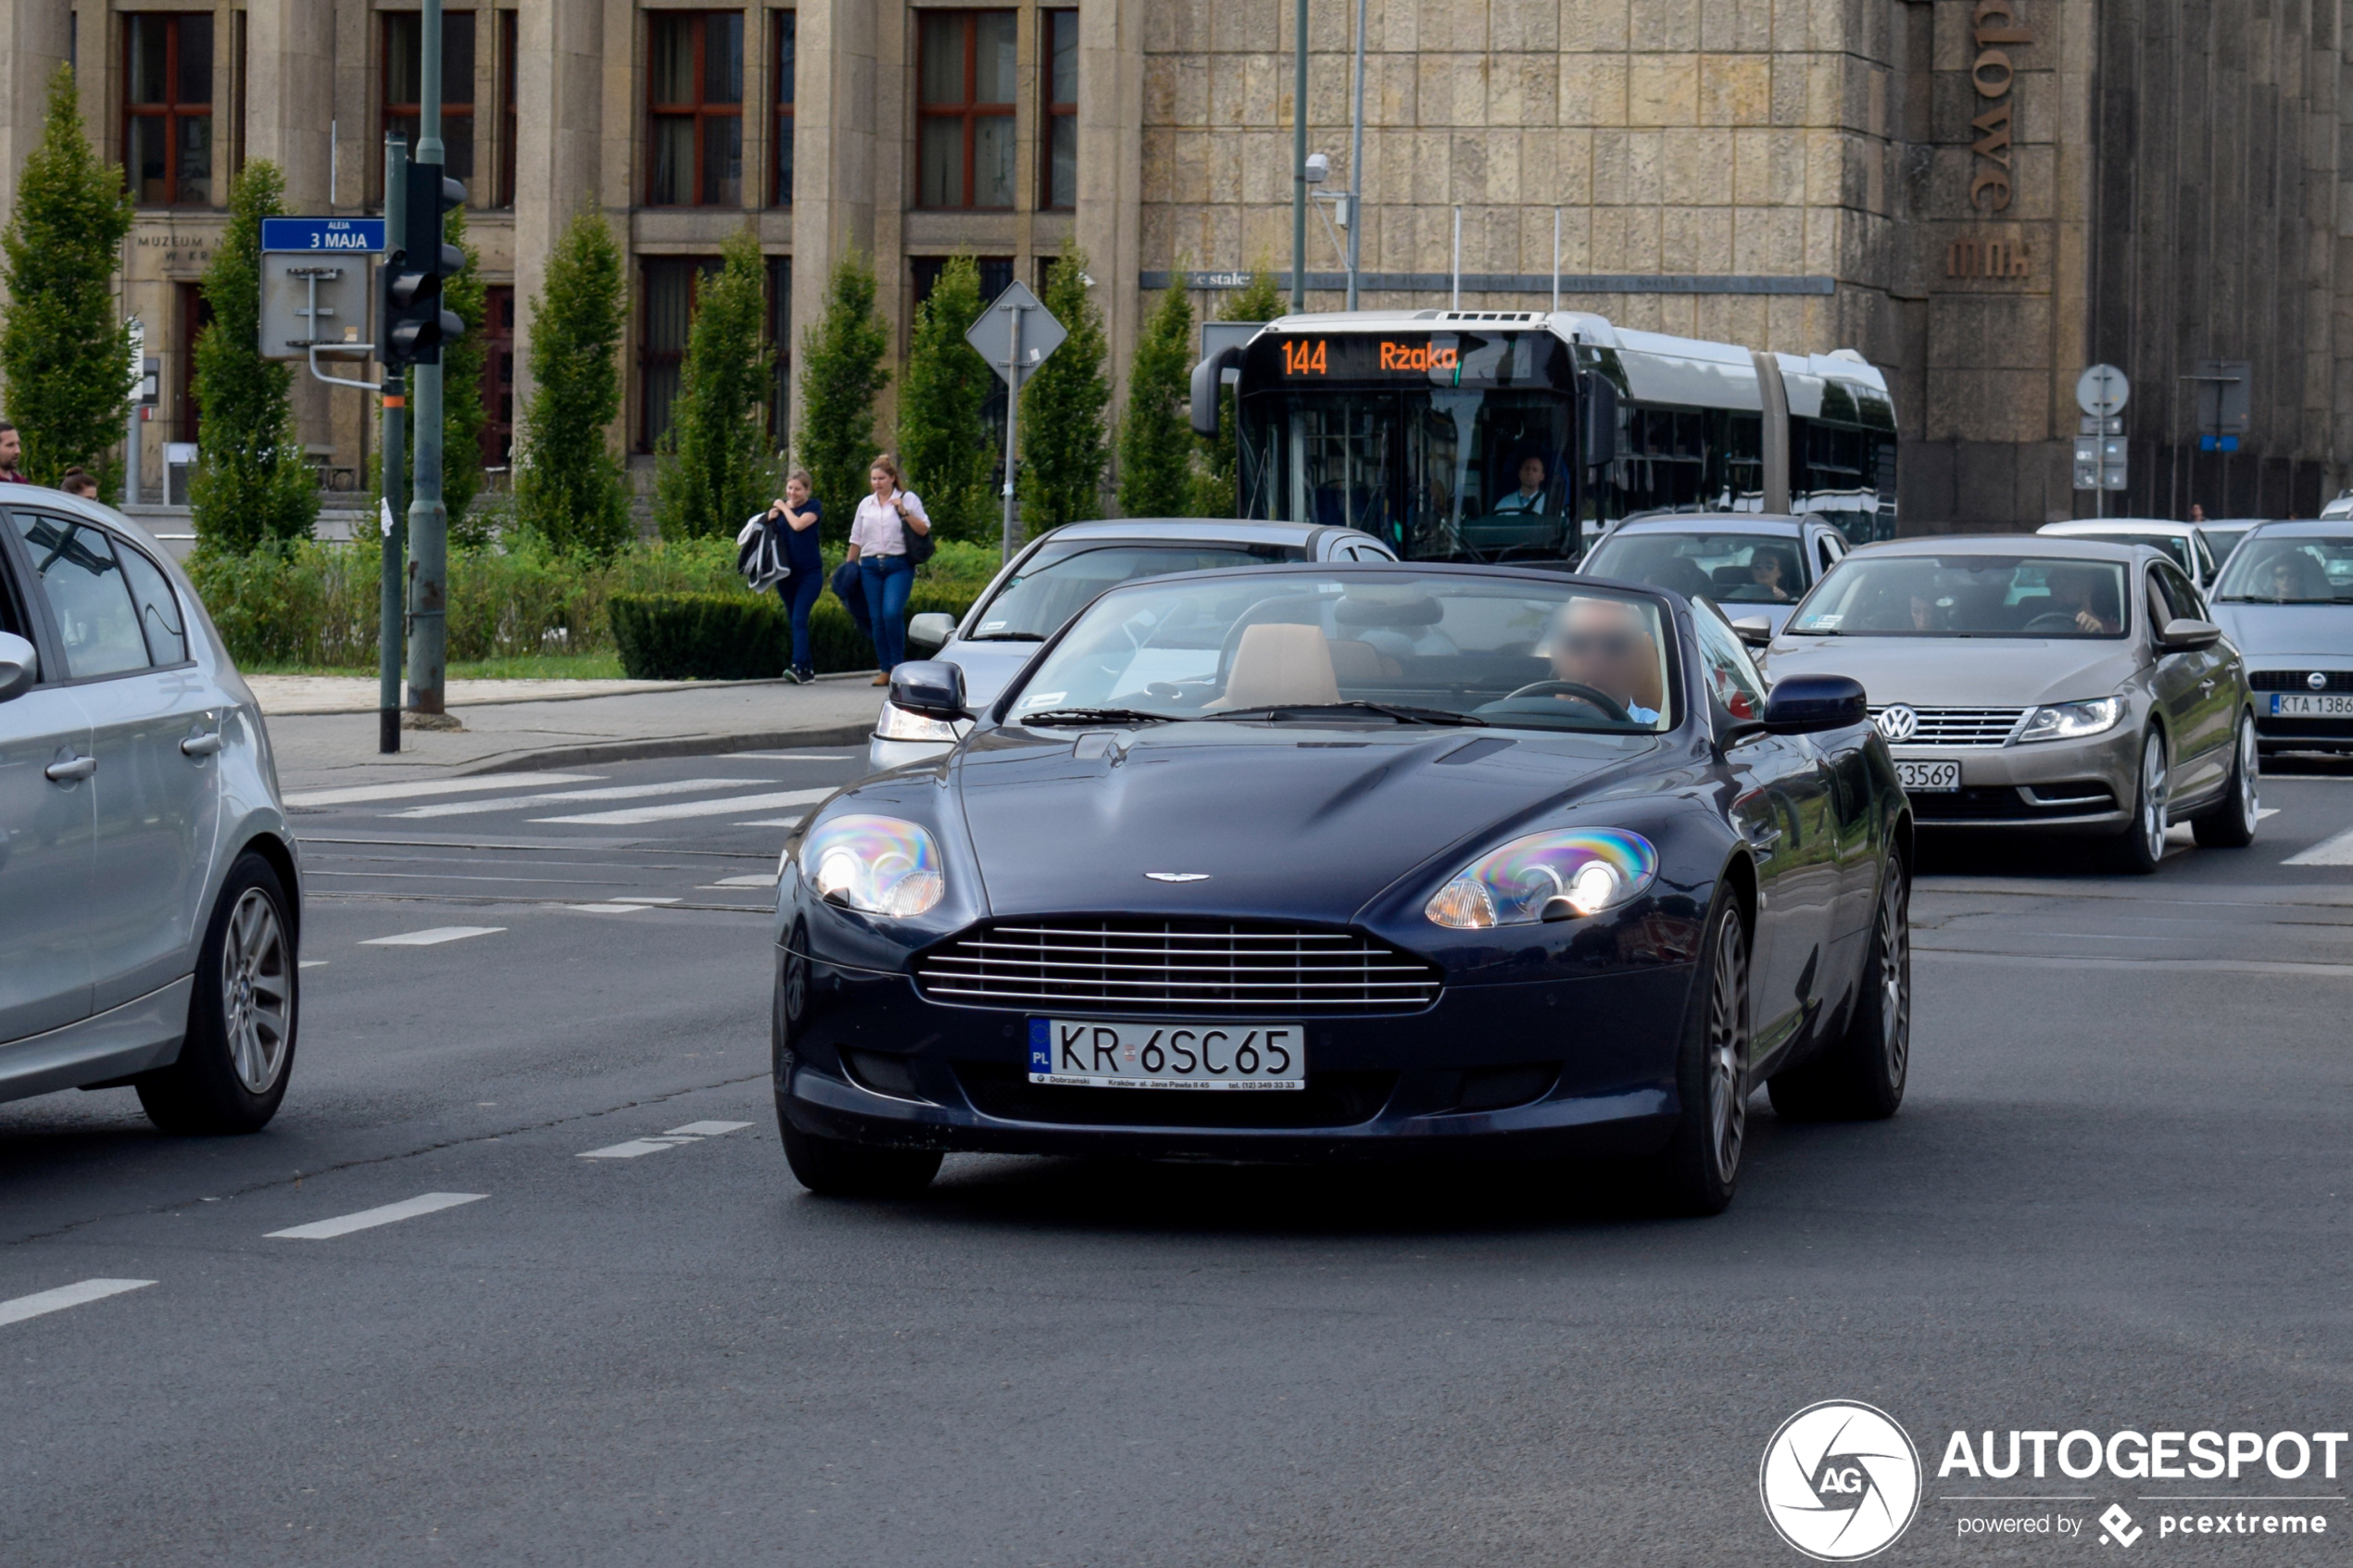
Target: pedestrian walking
[881, 540]
[11, 451]
[793, 519]
[77, 482]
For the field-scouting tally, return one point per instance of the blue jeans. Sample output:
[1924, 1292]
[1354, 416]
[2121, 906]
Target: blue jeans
[799, 592]
[888, 580]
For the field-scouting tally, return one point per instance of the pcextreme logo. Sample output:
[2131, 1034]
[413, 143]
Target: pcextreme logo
[1840, 1480]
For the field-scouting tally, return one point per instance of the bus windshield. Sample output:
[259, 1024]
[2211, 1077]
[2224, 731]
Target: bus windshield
[1441, 473]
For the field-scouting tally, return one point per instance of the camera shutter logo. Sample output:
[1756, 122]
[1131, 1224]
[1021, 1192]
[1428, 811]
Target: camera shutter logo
[1840, 1480]
[1897, 723]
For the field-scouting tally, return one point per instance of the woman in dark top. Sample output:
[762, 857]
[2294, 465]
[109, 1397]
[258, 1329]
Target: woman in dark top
[795, 520]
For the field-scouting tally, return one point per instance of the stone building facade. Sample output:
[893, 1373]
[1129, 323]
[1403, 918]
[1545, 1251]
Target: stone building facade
[1983, 196]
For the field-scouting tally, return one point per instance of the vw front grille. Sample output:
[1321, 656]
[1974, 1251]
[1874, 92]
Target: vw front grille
[1228, 968]
[1958, 726]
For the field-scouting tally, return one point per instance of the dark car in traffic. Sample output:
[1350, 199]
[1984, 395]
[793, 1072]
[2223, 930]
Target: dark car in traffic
[1324, 861]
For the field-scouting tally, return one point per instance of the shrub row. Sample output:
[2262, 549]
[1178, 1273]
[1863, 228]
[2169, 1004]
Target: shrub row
[737, 637]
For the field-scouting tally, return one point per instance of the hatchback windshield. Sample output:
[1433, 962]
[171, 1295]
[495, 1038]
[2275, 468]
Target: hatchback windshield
[1967, 596]
[1055, 583]
[1383, 648]
[1728, 568]
[2288, 570]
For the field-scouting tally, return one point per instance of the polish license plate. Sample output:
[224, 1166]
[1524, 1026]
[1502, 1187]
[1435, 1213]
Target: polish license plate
[1929, 778]
[1102, 1054]
[2311, 705]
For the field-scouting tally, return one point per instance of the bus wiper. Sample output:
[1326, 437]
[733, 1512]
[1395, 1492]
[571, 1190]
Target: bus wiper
[1098, 716]
[1403, 715]
[1005, 637]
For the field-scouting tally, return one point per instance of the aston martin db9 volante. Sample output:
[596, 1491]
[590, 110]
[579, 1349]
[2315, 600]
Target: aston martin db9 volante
[1317, 862]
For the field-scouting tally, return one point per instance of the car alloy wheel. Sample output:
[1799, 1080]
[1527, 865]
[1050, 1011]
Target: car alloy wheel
[1727, 1052]
[2156, 782]
[2250, 773]
[1895, 975]
[254, 993]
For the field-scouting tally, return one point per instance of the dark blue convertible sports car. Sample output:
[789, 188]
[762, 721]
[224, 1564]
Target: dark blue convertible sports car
[1328, 862]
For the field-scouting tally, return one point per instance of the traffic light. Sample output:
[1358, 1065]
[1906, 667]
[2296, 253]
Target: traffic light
[415, 325]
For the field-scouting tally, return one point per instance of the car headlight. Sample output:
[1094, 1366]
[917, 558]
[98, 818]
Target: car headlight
[1585, 870]
[897, 723]
[2072, 720]
[875, 865]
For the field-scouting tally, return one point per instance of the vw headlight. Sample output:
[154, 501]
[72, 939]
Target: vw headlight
[875, 865]
[1585, 870]
[897, 723]
[2072, 720]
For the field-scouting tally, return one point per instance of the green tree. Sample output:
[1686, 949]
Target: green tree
[570, 488]
[1156, 441]
[463, 414]
[1064, 409]
[65, 357]
[251, 486]
[1216, 483]
[841, 375]
[714, 468]
[943, 441]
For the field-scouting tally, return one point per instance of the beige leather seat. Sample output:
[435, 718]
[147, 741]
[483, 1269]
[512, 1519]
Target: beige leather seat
[1279, 664]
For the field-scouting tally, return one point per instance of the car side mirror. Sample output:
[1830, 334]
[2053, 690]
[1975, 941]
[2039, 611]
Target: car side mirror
[931, 687]
[1805, 705]
[929, 631]
[19, 666]
[1756, 631]
[1596, 419]
[2186, 636]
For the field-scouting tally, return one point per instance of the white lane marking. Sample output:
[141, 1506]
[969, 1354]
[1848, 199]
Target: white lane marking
[368, 1219]
[776, 822]
[706, 1129]
[356, 795]
[66, 1295]
[652, 902]
[640, 814]
[2337, 851]
[608, 908]
[693, 1132]
[432, 936]
[314, 963]
[2263, 811]
[614, 792]
[763, 879]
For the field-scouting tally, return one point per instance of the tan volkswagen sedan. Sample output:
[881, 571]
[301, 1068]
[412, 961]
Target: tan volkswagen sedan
[2031, 682]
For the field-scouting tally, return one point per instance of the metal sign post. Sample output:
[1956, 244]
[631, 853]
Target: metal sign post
[392, 623]
[1016, 334]
[137, 332]
[2101, 451]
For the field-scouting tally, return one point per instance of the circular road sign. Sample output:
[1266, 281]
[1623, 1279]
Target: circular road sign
[2102, 390]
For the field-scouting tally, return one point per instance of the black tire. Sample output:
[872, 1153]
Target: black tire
[1860, 1077]
[1699, 1169]
[2230, 825]
[243, 1018]
[2140, 848]
[833, 1168]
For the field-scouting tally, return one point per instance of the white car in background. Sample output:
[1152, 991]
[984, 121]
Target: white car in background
[2185, 542]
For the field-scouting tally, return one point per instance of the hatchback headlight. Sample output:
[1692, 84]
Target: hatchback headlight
[897, 723]
[875, 865]
[1587, 870]
[2072, 720]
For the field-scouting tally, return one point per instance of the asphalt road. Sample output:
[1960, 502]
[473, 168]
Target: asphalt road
[2115, 1199]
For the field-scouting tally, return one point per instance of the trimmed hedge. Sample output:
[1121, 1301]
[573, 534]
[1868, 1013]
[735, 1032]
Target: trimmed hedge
[737, 637]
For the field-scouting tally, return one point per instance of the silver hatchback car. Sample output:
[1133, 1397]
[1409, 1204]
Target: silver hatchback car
[150, 896]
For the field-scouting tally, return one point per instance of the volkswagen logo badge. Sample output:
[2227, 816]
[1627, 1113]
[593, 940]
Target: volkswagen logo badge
[2317, 680]
[1897, 723]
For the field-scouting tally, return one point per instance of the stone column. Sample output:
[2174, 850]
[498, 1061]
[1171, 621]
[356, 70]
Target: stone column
[559, 114]
[1111, 170]
[35, 37]
[289, 101]
[834, 148]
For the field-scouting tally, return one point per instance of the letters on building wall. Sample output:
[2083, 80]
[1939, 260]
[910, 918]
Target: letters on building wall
[1995, 23]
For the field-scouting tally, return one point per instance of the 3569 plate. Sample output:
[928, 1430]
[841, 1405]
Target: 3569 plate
[1129, 1054]
[1929, 778]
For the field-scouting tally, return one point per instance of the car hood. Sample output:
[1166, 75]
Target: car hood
[1277, 821]
[1962, 672]
[987, 668]
[2298, 632]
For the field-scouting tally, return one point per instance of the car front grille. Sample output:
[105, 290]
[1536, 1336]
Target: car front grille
[1959, 726]
[1219, 967]
[2297, 680]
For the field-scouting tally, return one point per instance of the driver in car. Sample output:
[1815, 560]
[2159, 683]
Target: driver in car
[2077, 594]
[1606, 643]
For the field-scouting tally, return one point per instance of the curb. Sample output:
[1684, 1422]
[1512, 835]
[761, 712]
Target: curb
[663, 745]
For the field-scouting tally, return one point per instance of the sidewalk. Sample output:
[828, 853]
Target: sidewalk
[324, 736]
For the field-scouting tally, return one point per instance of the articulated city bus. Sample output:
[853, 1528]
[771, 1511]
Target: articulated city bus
[1492, 435]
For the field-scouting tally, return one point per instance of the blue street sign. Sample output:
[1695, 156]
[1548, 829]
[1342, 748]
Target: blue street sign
[351, 234]
[2218, 443]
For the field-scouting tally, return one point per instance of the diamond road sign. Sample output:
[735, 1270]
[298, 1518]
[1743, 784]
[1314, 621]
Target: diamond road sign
[992, 335]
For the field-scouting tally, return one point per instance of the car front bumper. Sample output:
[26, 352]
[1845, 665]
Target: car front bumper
[2069, 786]
[2288, 677]
[1586, 1065]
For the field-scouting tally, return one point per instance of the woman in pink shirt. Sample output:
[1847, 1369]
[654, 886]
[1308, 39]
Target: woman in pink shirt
[878, 543]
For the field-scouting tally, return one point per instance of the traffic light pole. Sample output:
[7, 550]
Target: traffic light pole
[428, 521]
[391, 630]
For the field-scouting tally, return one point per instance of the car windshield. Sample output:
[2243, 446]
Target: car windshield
[2174, 544]
[1909, 596]
[2288, 570]
[1381, 646]
[1728, 568]
[1056, 582]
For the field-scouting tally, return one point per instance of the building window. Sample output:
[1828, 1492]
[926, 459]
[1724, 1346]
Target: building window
[166, 131]
[787, 57]
[404, 77]
[498, 375]
[1059, 33]
[671, 285]
[965, 158]
[507, 124]
[780, 335]
[696, 103]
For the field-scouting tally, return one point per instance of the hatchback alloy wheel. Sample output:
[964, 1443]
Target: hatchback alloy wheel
[1726, 1047]
[253, 992]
